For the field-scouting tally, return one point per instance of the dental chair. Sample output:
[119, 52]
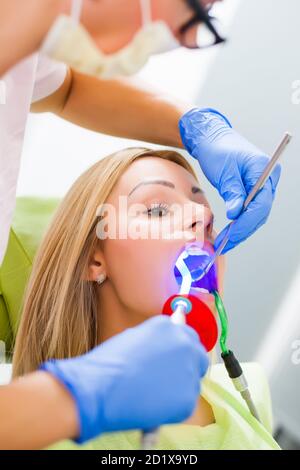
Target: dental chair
[31, 218]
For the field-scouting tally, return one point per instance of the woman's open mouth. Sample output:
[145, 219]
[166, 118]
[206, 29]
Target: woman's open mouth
[196, 258]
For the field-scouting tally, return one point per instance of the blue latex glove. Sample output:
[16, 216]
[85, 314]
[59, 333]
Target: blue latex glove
[140, 379]
[233, 166]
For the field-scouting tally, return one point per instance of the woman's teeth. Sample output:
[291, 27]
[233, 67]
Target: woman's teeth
[201, 289]
[194, 250]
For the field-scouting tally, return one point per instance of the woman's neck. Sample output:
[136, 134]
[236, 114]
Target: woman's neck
[113, 316]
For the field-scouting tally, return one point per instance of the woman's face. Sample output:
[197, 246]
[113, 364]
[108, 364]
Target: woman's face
[163, 208]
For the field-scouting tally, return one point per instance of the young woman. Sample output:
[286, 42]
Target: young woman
[103, 269]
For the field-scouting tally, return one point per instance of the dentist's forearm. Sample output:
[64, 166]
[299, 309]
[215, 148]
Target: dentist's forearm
[36, 411]
[120, 108]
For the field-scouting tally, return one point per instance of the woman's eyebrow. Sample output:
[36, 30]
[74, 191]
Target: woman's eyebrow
[194, 189]
[162, 182]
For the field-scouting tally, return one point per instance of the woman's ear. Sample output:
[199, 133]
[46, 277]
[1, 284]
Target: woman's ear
[96, 266]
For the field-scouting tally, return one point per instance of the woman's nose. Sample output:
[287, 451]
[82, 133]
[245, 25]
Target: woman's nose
[200, 221]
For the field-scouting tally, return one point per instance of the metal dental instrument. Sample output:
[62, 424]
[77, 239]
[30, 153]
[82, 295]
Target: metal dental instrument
[256, 188]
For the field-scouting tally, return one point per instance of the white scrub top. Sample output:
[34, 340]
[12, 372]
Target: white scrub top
[31, 80]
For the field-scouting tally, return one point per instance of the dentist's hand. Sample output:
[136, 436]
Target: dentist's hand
[233, 166]
[145, 377]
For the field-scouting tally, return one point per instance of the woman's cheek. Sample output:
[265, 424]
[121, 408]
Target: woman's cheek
[142, 273]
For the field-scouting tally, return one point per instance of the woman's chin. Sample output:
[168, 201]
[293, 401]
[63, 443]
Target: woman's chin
[204, 296]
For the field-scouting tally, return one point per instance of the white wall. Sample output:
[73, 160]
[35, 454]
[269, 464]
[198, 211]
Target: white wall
[57, 152]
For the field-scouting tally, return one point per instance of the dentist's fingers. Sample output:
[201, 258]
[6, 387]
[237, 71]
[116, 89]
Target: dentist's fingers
[250, 220]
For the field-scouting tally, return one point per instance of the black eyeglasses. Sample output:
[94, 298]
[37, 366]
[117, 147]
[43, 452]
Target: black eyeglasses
[200, 31]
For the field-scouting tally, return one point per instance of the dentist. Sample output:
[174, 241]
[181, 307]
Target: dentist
[64, 56]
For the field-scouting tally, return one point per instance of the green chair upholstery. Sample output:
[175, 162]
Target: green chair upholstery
[5, 330]
[31, 219]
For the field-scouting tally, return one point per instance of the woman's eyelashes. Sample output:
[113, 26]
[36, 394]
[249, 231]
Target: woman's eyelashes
[210, 228]
[162, 209]
[157, 210]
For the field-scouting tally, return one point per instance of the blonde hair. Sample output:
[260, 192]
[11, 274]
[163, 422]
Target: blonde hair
[59, 316]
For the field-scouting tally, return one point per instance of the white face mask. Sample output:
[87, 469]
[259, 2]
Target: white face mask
[68, 41]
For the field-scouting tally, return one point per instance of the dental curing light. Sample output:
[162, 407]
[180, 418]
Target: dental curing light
[195, 313]
[231, 363]
[188, 309]
[188, 265]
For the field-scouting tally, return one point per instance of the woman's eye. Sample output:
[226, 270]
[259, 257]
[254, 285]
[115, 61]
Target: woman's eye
[157, 210]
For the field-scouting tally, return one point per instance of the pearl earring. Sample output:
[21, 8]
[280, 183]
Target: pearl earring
[100, 279]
